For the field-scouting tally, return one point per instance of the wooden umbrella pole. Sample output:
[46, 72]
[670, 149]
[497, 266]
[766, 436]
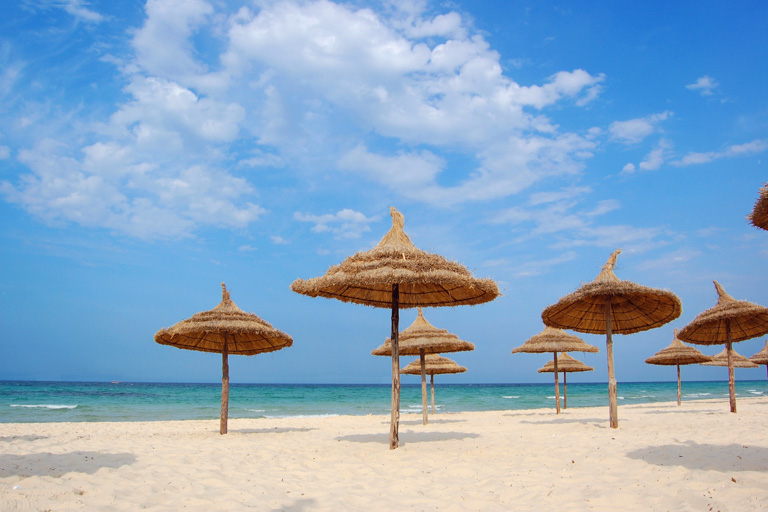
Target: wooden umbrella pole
[612, 392]
[432, 385]
[731, 377]
[678, 384]
[557, 388]
[394, 439]
[423, 385]
[224, 386]
[565, 391]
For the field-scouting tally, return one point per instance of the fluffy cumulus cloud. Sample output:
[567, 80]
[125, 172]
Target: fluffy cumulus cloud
[705, 85]
[635, 130]
[345, 223]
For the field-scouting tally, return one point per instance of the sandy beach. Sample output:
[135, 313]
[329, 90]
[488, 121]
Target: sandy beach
[662, 457]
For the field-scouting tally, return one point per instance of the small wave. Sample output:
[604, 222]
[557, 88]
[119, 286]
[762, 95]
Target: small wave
[44, 406]
[255, 410]
[620, 397]
[755, 392]
[510, 396]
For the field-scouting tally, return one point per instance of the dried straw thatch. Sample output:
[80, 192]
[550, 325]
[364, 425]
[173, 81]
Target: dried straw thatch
[226, 329]
[434, 364]
[554, 340]
[761, 357]
[759, 215]
[395, 274]
[729, 321]
[739, 361]
[420, 339]
[565, 364]
[676, 354]
[609, 305]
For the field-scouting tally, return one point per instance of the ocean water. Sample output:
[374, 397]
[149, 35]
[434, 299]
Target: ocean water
[23, 401]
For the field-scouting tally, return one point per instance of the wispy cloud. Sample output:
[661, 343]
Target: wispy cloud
[706, 85]
[345, 223]
[756, 146]
[635, 130]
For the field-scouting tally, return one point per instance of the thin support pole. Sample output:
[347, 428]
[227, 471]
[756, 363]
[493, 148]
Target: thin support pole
[432, 385]
[731, 376]
[612, 391]
[557, 387]
[423, 385]
[394, 439]
[565, 391]
[224, 386]
[678, 385]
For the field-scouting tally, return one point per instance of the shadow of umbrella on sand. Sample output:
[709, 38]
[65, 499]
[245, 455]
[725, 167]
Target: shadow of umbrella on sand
[675, 354]
[434, 364]
[565, 364]
[555, 340]
[609, 305]
[761, 357]
[729, 321]
[420, 339]
[395, 274]
[225, 329]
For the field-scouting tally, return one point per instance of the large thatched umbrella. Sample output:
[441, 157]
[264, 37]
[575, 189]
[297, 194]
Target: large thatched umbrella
[675, 354]
[609, 305]
[554, 340]
[434, 364]
[729, 321]
[565, 364]
[759, 215]
[226, 329]
[761, 357]
[420, 339]
[395, 274]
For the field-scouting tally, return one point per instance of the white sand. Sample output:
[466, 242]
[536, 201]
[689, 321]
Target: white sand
[662, 457]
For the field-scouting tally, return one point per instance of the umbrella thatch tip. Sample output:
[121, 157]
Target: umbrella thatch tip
[611, 263]
[721, 293]
[224, 292]
[398, 220]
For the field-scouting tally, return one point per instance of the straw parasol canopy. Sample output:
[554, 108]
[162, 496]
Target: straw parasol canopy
[420, 339]
[434, 364]
[739, 361]
[729, 321]
[609, 305]
[395, 274]
[759, 215]
[676, 354]
[761, 357]
[555, 340]
[565, 364]
[225, 329]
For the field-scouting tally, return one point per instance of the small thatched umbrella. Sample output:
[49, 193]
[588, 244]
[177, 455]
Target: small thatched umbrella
[761, 357]
[226, 329]
[565, 364]
[759, 215]
[729, 321]
[420, 339]
[739, 361]
[609, 305]
[434, 364]
[554, 340]
[395, 274]
[675, 354]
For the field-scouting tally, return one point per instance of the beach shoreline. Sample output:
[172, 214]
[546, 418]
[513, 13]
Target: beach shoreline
[698, 456]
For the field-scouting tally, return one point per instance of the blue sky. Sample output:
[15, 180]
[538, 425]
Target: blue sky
[149, 152]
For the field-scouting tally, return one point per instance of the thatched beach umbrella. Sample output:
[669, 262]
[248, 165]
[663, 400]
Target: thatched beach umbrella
[226, 329]
[395, 274]
[729, 321]
[555, 340]
[759, 215]
[675, 354]
[761, 357]
[739, 361]
[609, 305]
[434, 364]
[565, 364]
[420, 339]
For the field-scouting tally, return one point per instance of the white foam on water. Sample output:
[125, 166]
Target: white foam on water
[44, 406]
[513, 396]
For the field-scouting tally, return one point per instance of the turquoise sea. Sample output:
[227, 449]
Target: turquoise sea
[23, 401]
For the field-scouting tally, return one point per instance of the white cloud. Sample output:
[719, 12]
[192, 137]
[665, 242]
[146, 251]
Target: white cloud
[628, 169]
[756, 146]
[345, 223]
[5, 152]
[635, 130]
[653, 160]
[278, 240]
[78, 9]
[706, 85]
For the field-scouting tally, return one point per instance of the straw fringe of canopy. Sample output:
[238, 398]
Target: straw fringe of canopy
[762, 356]
[247, 334]
[552, 339]
[739, 361]
[424, 279]
[567, 364]
[747, 320]
[423, 335]
[435, 365]
[678, 353]
[759, 215]
[634, 307]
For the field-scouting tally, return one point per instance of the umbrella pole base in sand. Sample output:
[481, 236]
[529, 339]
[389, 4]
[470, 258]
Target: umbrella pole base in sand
[394, 439]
